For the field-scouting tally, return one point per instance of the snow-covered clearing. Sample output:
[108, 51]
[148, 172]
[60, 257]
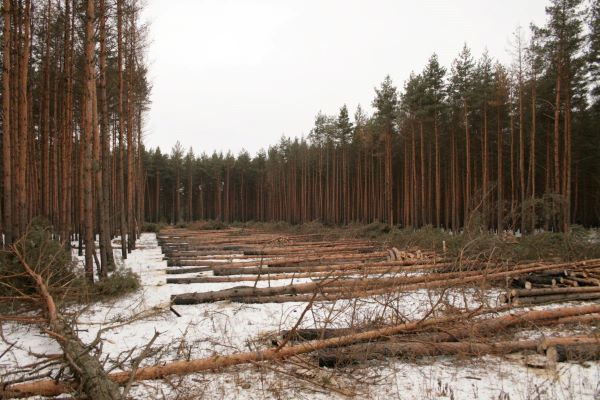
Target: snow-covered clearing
[223, 327]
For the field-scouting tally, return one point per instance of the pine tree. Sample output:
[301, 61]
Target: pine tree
[434, 75]
[461, 97]
[593, 54]
[483, 90]
[386, 105]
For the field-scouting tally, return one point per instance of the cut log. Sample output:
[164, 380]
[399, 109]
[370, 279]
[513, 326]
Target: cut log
[520, 283]
[388, 266]
[585, 281]
[477, 328]
[576, 352]
[568, 341]
[545, 279]
[171, 271]
[553, 298]
[354, 354]
[568, 282]
[239, 291]
[549, 291]
[570, 347]
[280, 261]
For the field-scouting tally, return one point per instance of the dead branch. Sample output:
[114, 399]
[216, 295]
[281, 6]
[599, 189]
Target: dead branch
[90, 375]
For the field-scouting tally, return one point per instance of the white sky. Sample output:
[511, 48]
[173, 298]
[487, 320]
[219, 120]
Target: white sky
[239, 74]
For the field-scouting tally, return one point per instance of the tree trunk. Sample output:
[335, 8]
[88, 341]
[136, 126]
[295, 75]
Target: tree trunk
[45, 156]
[500, 183]
[23, 142]
[6, 125]
[104, 186]
[388, 176]
[532, 153]
[468, 166]
[438, 178]
[121, 164]
[86, 144]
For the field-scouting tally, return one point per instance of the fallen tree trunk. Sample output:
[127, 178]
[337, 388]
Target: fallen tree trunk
[521, 300]
[53, 388]
[171, 271]
[355, 354]
[447, 334]
[240, 291]
[264, 277]
[180, 253]
[411, 350]
[199, 255]
[385, 266]
[87, 369]
[273, 261]
[368, 287]
[548, 291]
[544, 295]
[268, 274]
[479, 328]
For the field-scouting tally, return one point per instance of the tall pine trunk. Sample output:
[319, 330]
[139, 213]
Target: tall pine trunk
[104, 185]
[6, 125]
[23, 143]
[121, 164]
[86, 143]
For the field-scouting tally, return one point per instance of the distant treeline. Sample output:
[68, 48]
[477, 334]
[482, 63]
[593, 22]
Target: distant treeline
[501, 146]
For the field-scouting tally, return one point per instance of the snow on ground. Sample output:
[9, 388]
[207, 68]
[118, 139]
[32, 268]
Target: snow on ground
[223, 327]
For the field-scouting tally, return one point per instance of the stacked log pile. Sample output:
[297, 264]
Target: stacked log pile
[556, 285]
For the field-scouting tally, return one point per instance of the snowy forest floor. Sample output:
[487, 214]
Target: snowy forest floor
[223, 327]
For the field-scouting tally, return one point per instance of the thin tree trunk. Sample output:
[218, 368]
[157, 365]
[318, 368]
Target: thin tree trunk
[45, 159]
[104, 186]
[6, 125]
[121, 164]
[557, 186]
[500, 225]
[388, 176]
[567, 163]
[86, 144]
[424, 206]
[438, 178]
[468, 165]
[131, 223]
[22, 205]
[521, 156]
[532, 153]
[485, 167]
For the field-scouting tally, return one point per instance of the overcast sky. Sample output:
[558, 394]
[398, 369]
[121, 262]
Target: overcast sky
[239, 74]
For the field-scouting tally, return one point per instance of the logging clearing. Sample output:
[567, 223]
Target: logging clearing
[439, 241]
[388, 305]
